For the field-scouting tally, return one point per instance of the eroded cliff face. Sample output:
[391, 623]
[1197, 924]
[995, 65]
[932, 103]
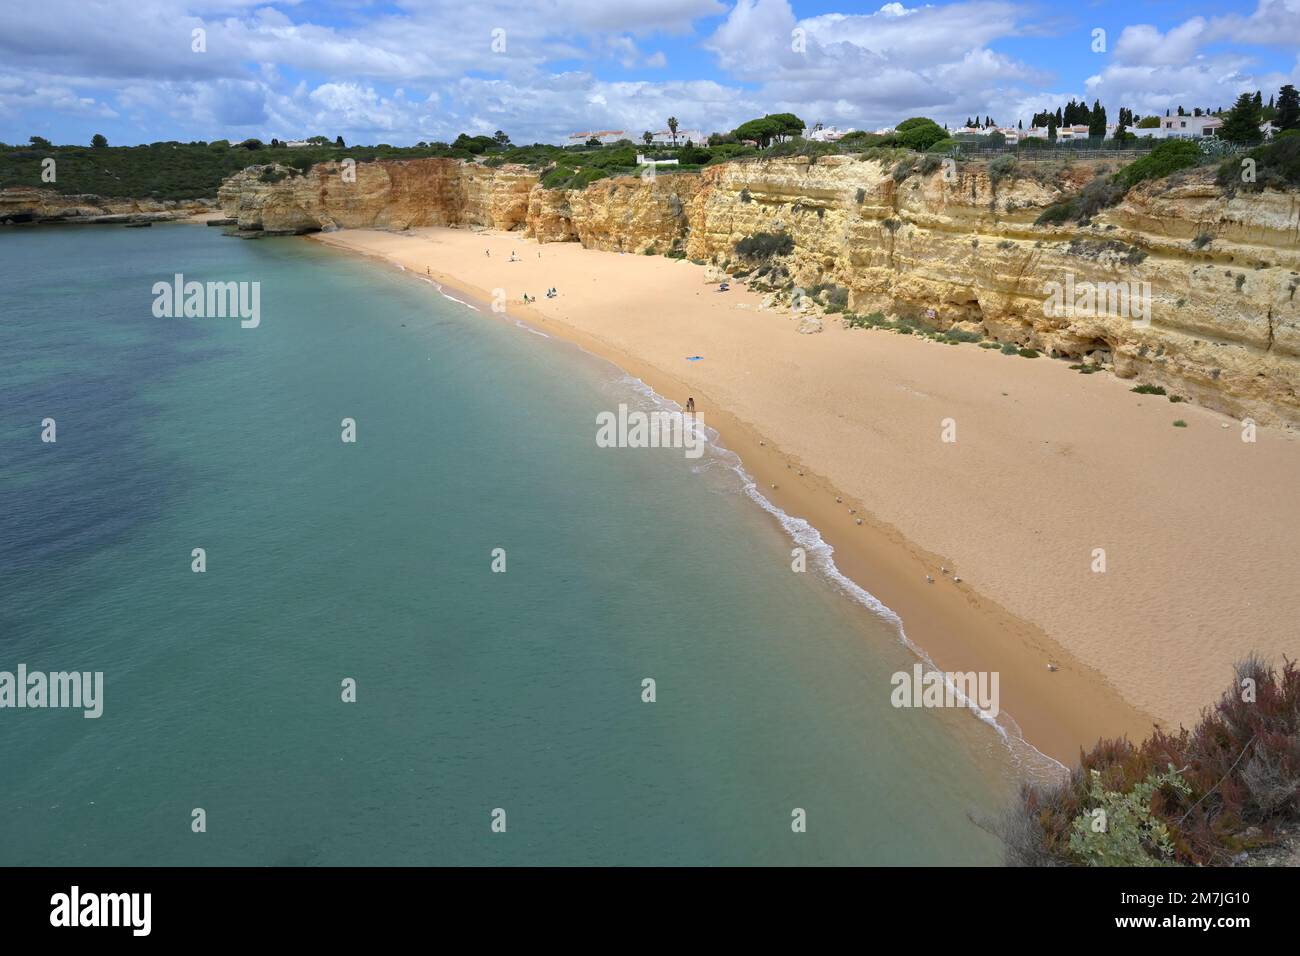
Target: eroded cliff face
[22, 204]
[390, 195]
[1212, 278]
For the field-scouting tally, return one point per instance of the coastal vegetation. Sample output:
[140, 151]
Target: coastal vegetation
[1204, 796]
[1275, 165]
[175, 170]
[1104, 191]
[764, 245]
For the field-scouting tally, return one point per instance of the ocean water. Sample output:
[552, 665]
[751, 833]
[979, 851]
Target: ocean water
[372, 561]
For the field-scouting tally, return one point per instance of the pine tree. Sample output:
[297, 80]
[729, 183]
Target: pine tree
[1097, 125]
[1288, 108]
[1241, 125]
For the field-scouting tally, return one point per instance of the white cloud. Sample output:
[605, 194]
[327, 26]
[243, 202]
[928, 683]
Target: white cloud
[1152, 72]
[410, 70]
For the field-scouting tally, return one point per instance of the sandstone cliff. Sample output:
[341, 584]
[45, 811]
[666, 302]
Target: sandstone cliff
[1222, 328]
[22, 204]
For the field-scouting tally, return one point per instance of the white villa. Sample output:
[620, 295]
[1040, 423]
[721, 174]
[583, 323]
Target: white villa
[1185, 127]
[604, 135]
[1009, 133]
[828, 134]
[664, 137]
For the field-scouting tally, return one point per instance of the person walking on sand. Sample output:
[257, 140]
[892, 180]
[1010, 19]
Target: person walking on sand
[690, 406]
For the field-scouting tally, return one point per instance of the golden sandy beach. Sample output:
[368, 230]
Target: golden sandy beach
[1197, 526]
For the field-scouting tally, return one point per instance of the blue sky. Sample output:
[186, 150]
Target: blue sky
[411, 70]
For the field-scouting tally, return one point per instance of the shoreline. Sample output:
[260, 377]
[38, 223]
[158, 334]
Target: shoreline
[1106, 683]
[1056, 716]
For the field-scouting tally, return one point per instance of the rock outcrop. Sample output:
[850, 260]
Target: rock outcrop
[1197, 286]
[23, 205]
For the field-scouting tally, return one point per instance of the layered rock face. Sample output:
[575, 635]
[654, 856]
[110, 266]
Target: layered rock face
[20, 204]
[396, 195]
[1210, 280]
[1180, 284]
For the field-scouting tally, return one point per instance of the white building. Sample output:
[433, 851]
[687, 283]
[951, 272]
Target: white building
[1070, 133]
[665, 137]
[828, 134]
[1185, 127]
[1009, 133]
[605, 136]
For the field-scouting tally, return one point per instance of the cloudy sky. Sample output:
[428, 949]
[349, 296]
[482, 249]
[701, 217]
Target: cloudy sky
[401, 71]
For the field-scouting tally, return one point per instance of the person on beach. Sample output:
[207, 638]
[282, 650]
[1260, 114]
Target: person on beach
[488, 253]
[690, 406]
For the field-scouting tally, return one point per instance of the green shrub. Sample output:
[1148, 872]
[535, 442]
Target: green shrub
[1277, 165]
[1099, 194]
[919, 133]
[835, 297]
[1057, 212]
[1239, 766]
[1148, 390]
[1180, 424]
[1119, 828]
[765, 245]
[1169, 157]
[1000, 168]
[1009, 349]
[1027, 353]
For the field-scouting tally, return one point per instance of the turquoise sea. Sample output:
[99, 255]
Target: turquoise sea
[373, 561]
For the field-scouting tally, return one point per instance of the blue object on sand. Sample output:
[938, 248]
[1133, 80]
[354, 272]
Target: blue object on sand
[694, 358]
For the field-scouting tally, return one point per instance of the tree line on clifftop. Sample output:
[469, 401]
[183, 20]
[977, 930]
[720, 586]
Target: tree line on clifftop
[176, 170]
